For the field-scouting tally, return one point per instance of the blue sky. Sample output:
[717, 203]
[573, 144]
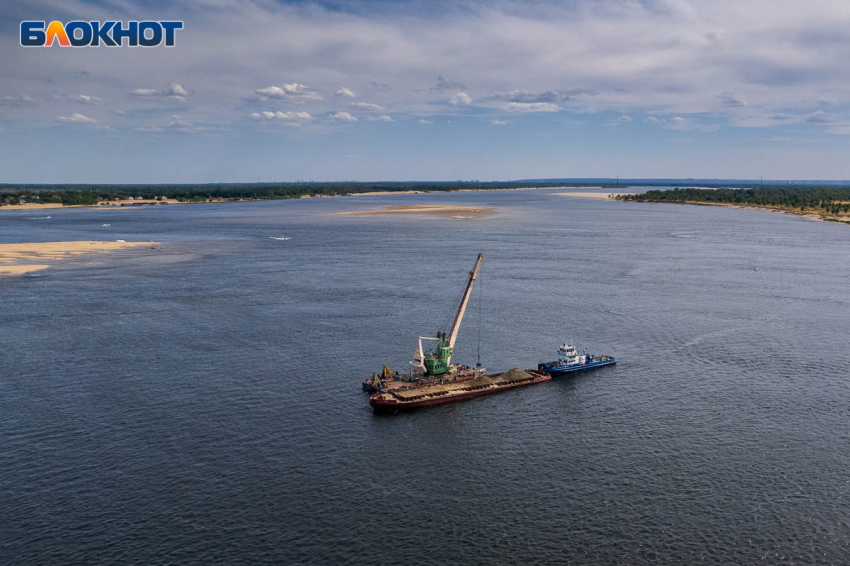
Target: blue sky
[381, 90]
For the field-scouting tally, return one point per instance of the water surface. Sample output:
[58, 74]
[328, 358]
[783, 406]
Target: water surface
[200, 404]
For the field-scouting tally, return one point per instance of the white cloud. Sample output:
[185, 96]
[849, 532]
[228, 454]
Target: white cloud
[83, 99]
[424, 121]
[344, 116]
[460, 99]
[690, 124]
[654, 120]
[20, 100]
[553, 96]
[381, 118]
[181, 125]
[285, 116]
[532, 107]
[76, 118]
[367, 106]
[498, 122]
[293, 92]
[624, 119]
[719, 62]
[173, 90]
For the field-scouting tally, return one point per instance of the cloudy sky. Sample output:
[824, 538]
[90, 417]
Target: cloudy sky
[390, 90]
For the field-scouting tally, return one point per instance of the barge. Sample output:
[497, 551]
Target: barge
[436, 394]
[433, 379]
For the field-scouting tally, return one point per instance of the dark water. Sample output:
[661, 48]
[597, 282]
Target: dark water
[200, 404]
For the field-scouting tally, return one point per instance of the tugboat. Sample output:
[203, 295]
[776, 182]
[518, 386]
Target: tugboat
[570, 362]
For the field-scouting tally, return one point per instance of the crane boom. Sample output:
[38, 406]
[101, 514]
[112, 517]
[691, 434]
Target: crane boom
[437, 359]
[473, 275]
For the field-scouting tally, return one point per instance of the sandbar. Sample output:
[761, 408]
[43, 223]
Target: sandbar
[452, 211]
[24, 258]
[19, 269]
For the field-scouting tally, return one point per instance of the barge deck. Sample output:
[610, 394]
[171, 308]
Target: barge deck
[423, 396]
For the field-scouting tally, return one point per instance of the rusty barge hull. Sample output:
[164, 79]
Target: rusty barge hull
[389, 401]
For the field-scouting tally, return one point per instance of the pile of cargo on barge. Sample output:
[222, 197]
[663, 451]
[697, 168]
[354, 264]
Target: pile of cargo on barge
[435, 394]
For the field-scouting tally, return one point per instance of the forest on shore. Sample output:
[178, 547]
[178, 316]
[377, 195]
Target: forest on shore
[70, 195]
[824, 200]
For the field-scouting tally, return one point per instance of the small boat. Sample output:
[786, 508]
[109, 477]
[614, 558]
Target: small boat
[569, 361]
[106, 224]
[281, 238]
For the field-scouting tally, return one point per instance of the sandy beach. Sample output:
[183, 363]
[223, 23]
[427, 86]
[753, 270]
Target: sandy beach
[24, 258]
[102, 204]
[452, 211]
[31, 206]
[603, 196]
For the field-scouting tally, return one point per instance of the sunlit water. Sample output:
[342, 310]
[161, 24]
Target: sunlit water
[201, 404]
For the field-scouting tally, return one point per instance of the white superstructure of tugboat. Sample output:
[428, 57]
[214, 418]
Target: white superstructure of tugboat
[570, 361]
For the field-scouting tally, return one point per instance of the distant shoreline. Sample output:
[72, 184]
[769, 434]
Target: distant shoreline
[415, 192]
[136, 203]
[153, 202]
[779, 210]
[764, 208]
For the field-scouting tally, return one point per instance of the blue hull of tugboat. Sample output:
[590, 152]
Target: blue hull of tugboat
[555, 369]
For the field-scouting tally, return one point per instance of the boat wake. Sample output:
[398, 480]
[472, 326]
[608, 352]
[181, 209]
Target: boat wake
[281, 238]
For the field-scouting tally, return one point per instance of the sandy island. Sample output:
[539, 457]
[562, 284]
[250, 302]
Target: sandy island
[592, 195]
[20, 258]
[453, 211]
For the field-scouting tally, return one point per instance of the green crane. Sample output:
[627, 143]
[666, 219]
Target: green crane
[437, 359]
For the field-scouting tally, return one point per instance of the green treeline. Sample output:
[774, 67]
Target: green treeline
[826, 200]
[92, 194]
